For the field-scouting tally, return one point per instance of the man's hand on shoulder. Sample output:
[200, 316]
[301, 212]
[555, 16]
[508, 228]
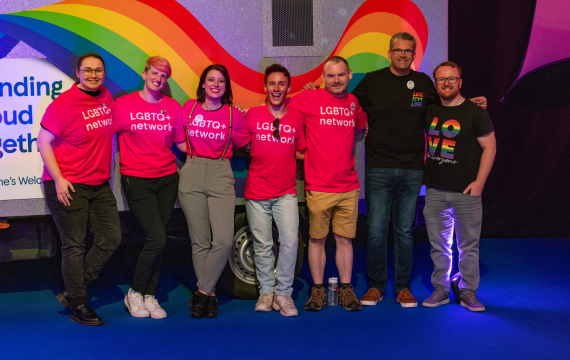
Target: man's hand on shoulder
[480, 100]
[240, 108]
[311, 86]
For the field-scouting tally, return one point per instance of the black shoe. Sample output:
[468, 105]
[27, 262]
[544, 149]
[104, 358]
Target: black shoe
[212, 307]
[455, 286]
[198, 305]
[84, 315]
[64, 298]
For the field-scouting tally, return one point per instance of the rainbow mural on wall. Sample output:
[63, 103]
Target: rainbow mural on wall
[127, 32]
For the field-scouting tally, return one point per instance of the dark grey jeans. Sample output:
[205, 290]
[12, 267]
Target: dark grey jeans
[447, 212]
[94, 206]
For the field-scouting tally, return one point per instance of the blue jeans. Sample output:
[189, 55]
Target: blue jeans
[284, 210]
[396, 190]
[447, 212]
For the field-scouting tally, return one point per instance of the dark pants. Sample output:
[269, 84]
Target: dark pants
[151, 201]
[93, 205]
[396, 190]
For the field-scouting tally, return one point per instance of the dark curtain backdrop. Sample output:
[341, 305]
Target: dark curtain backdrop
[528, 191]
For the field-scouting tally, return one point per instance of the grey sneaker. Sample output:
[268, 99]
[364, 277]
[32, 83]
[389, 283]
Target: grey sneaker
[285, 305]
[469, 301]
[437, 298]
[264, 302]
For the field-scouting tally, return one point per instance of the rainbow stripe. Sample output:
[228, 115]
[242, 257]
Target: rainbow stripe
[433, 142]
[447, 148]
[432, 130]
[450, 128]
[127, 32]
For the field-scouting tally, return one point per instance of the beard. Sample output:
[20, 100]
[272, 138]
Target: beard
[448, 95]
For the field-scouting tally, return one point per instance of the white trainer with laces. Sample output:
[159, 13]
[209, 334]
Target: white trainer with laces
[153, 307]
[264, 302]
[285, 305]
[135, 303]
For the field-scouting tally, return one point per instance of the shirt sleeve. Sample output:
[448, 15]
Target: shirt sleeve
[248, 117]
[240, 135]
[118, 117]
[296, 101]
[361, 118]
[178, 134]
[301, 142]
[428, 118]
[482, 123]
[431, 94]
[361, 92]
[55, 120]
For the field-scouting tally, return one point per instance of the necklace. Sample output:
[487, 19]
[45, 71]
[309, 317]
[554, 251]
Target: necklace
[462, 100]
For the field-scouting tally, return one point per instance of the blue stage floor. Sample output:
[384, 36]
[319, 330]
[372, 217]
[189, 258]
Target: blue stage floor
[524, 287]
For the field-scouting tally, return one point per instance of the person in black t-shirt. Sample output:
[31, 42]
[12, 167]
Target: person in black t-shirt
[461, 151]
[395, 100]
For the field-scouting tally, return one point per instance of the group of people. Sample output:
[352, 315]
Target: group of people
[318, 126]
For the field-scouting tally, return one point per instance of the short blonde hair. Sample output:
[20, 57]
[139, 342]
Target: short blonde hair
[160, 64]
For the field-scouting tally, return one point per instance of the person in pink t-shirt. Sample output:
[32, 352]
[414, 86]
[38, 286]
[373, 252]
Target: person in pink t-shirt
[147, 122]
[331, 186]
[278, 138]
[206, 190]
[75, 142]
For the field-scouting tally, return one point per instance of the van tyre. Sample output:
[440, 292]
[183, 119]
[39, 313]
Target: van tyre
[238, 278]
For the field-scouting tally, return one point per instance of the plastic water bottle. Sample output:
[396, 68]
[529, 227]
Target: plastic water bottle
[332, 292]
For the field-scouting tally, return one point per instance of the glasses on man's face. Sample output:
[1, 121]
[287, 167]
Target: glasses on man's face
[452, 80]
[276, 126]
[88, 71]
[408, 52]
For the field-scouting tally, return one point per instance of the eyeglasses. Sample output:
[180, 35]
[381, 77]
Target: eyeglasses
[452, 80]
[399, 51]
[276, 126]
[89, 71]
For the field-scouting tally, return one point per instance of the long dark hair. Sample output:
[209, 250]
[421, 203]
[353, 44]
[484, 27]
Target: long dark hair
[201, 92]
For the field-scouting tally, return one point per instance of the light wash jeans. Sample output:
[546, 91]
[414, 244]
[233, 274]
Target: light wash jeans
[284, 210]
[447, 212]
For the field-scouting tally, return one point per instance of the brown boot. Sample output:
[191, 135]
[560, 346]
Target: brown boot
[347, 298]
[317, 300]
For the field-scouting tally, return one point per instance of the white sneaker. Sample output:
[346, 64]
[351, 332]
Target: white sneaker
[135, 303]
[153, 307]
[285, 305]
[264, 302]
